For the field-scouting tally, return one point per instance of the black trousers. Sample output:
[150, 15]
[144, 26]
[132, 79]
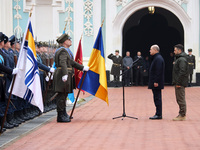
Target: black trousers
[190, 79]
[139, 73]
[157, 101]
[127, 76]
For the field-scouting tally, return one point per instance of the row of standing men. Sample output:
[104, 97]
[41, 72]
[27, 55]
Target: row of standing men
[20, 110]
[141, 68]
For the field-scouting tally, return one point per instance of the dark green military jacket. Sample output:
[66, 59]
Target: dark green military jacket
[64, 66]
[180, 70]
[117, 64]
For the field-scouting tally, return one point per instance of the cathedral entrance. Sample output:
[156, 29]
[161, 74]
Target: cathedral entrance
[142, 30]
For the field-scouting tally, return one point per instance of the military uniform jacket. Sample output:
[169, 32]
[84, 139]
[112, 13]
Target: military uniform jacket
[191, 63]
[117, 64]
[64, 66]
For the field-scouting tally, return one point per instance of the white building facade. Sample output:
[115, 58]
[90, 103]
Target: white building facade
[84, 17]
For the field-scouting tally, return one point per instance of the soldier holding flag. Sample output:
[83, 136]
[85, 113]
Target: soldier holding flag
[62, 80]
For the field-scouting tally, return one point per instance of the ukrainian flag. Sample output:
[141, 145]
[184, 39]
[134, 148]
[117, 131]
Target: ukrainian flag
[95, 81]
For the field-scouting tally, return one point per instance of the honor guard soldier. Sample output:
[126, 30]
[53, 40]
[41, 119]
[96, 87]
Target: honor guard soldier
[116, 67]
[4, 71]
[191, 63]
[62, 79]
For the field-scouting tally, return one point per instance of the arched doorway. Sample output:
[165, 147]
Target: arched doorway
[142, 30]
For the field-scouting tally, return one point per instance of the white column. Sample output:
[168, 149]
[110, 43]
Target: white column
[110, 46]
[96, 17]
[78, 22]
[6, 17]
[193, 42]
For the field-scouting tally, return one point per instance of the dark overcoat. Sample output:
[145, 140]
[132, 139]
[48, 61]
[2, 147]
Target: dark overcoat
[191, 63]
[117, 64]
[64, 66]
[156, 72]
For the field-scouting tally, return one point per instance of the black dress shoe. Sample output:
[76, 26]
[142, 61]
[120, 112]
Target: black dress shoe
[155, 117]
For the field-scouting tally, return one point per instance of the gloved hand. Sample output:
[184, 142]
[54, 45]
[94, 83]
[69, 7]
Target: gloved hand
[86, 68]
[15, 71]
[64, 78]
[52, 70]
[47, 78]
[52, 77]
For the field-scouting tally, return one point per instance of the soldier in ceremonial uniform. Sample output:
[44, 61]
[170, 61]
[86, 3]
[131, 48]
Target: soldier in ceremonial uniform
[62, 80]
[116, 67]
[4, 71]
[191, 63]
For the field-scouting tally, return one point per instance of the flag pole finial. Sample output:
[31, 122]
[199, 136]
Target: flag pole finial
[81, 36]
[65, 25]
[102, 22]
[31, 11]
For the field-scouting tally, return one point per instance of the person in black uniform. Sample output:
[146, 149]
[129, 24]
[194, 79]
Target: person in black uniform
[116, 67]
[140, 68]
[191, 63]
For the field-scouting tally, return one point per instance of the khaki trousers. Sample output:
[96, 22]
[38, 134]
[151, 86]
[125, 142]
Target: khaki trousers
[180, 98]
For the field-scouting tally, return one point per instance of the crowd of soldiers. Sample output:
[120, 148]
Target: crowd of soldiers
[19, 109]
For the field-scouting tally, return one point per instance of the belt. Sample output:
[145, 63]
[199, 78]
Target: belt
[67, 68]
[191, 63]
[116, 64]
[2, 75]
[41, 69]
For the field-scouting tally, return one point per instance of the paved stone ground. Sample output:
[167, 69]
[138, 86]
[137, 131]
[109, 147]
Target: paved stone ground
[94, 129]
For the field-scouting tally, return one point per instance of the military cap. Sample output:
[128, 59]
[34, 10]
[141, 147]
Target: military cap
[117, 50]
[12, 39]
[1, 37]
[5, 39]
[63, 38]
[189, 50]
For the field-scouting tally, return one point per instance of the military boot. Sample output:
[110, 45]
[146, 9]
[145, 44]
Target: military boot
[180, 118]
[65, 113]
[26, 114]
[62, 118]
[7, 125]
[3, 130]
[16, 115]
[10, 120]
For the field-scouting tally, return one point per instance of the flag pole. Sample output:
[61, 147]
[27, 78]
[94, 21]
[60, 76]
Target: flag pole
[81, 85]
[4, 118]
[77, 95]
[102, 22]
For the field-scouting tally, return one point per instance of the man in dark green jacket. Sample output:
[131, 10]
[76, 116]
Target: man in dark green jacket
[180, 80]
[62, 79]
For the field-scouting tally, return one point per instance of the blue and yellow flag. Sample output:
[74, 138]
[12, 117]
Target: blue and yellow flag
[27, 82]
[95, 81]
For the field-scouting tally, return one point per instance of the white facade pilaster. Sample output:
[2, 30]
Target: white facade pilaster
[6, 17]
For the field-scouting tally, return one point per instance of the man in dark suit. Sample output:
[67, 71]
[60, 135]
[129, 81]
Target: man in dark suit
[156, 79]
[140, 68]
[191, 65]
[117, 64]
[63, 76]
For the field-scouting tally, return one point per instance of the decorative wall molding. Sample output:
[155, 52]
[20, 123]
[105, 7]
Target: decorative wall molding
[180, 2]
[121, 2]
[69, 9]
[17, 16]
[124, 2]
[88, 14]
